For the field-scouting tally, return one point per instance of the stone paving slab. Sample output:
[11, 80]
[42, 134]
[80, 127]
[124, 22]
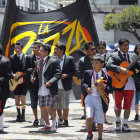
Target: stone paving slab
[75, 131]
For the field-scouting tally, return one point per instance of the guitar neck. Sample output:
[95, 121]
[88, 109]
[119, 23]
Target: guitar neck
[133, 63]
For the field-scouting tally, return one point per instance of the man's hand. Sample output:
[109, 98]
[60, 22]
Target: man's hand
[88, 90]
[64, 76]
[48, 84]
[15, 76]
[32, 80]
[103, 86]
[123, 70]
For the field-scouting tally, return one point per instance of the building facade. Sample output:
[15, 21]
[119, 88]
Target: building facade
[100, 8]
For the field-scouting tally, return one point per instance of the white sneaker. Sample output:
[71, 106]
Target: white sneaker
[42, 122]
[54, 125]
[125, 127]
[118, 126]
[60, 123]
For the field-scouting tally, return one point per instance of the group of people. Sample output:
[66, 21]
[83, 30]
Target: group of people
[49, 81]
[123, 82]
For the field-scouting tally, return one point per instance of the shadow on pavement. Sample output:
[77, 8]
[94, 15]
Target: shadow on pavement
[14, 121]
[43, 132]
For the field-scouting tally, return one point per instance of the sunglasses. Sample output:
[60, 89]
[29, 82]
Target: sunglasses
[99, 48]
[92, 49]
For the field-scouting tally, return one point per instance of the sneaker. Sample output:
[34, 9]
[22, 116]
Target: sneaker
[125, 127]
[66, 123]
[42, 122]
[60, 123]
[118, 126]
[54, 125]
[89, 137]
[136, 117]
[35, 122]
[45, 128]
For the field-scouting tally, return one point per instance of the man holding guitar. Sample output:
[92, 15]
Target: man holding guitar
[18, 65]
[122, 81]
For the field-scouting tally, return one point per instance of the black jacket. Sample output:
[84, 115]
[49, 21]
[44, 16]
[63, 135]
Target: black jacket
[5, 76]
[68, 68]
[16, 64]
[52, 74]
[83, 64]
[86, 82]
[30, 64]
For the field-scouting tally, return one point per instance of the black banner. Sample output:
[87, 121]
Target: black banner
[72, 25]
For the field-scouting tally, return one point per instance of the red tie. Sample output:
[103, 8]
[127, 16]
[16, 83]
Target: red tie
[124, 57]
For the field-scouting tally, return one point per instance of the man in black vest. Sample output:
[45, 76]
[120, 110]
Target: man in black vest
[84, 63]
[64, 84]
[32, 79]
[5, 76]
[18, 65]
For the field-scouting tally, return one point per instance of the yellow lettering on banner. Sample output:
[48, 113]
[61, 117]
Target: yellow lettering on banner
[54, 37]
[30, 34]
[72, 27]
[46, 29]
[79, 31]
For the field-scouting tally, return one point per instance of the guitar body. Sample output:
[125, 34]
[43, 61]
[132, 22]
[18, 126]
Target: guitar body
[122, 77]
[13, 83]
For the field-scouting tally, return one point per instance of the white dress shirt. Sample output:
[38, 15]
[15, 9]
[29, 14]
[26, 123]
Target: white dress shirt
[94, 89]
[130, 85]
[43, 91]
[60, 86]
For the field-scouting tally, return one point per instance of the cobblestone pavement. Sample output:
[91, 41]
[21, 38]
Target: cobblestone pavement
[75, 131]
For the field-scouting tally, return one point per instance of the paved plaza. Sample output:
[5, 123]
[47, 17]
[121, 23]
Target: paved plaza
[75, 131]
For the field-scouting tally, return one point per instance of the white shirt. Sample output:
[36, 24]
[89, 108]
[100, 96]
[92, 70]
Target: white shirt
[43, 91]
[130, 85]
[60, 86]
[94, 89]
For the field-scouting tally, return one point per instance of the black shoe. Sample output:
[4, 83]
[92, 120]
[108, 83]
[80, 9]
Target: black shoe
[89, 137]
[94, 126]
[83, 117]
[136, 117]
[99, 138]
[22, 119]
[35, 123]
[65, 124]
[18, 118]
[3, 132]
[106, 122]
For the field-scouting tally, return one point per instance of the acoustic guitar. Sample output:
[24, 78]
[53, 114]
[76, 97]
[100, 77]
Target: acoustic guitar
[118, 79]
[14, 82]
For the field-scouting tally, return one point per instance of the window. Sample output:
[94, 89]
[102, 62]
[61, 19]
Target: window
[2, 3]
[128, 2]
[33, 5]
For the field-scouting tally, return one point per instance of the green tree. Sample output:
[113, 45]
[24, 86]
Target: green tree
[128, 20]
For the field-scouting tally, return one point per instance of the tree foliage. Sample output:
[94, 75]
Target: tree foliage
[127, 20]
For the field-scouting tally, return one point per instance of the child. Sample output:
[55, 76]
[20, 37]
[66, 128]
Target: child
[94, 102]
